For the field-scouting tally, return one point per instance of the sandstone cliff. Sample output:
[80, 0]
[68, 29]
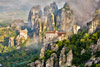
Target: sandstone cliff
[95, 24]
[81, 49]
[50, 13]
[53, 19]
[65, 19]
[53, 55]
[54, 60]
[35, 18]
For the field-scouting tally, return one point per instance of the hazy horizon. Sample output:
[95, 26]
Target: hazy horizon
[15, 9]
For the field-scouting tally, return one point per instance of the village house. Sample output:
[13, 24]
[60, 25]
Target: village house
[55, 34]
[23, 33]
[62, 36]
[21, 37]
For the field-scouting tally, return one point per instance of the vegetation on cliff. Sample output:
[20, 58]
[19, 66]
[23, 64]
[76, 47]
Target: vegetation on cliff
[77, 43]
[10, 56]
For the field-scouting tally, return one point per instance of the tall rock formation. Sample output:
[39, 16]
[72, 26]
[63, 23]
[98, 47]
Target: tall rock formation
[95, 24]
[65, 59]
[52, 20]
[35, 18]
[50, 13]
[69, 58]
[35, 24]
[40, 23]
[62, 58]
[52, 61]
[65, 19]
[52, 8]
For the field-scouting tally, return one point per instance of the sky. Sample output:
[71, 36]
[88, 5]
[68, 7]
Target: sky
[83, 9]
[27, 4]
[6, 5]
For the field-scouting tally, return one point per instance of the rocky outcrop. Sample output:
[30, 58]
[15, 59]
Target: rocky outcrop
[53, 19]
[51, 22]
[83, 51]
[52, 8]
[38, 63]
[95, 24]
[69, 58]
[18, 24]
[76, 28]
[95, 47]
[98, 45]
[65, 59]
[32, 64]
[52, 61]
[65, 19]
[35, 19]
[93, 60]
[22, 37]
[62, 58]
[50, 13]
[48, 46]
[11, 41]
[40, 23]
[44, 49]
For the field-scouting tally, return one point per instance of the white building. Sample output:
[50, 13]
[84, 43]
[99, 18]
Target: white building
[54, 34]
[23, 33]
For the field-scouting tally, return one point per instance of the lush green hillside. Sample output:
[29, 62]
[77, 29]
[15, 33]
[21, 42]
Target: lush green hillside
[12, 57]
[77, 43]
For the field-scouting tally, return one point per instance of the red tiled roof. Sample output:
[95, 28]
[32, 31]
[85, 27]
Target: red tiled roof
[25, 32]
[60, 33]
[51, 32]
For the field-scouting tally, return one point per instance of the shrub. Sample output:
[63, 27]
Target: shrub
[97, 65]
[35, 58]
[48, 53]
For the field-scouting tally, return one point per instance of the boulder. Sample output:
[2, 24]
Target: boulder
[69, 58]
